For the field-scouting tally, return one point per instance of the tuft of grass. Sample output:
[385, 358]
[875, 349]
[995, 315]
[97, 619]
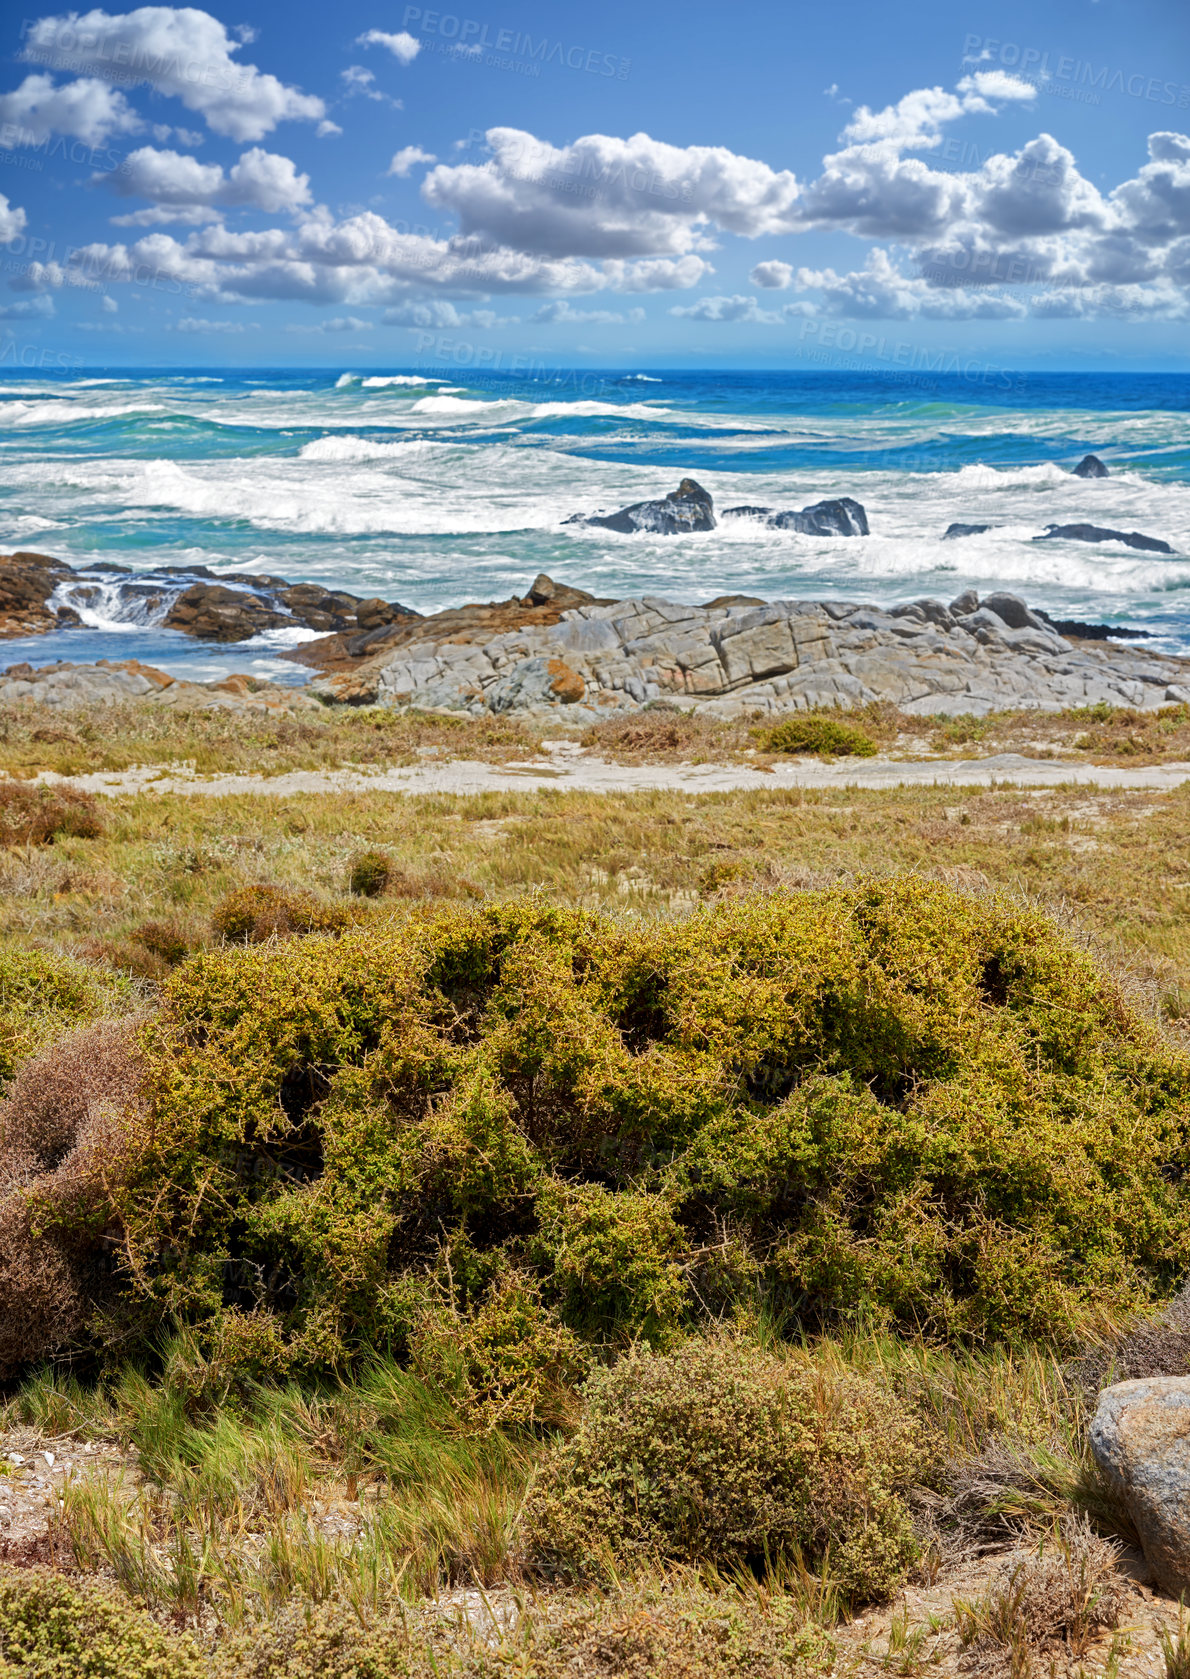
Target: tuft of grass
[371, 872]
[1176, 1650]
[1058, 1598]
[825, 737]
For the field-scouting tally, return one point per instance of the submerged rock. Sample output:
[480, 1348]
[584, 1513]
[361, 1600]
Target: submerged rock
[1101, 533]
[1090, 467]
[953, 531]
[688, 508]
[1140, 1438]
[839, 517]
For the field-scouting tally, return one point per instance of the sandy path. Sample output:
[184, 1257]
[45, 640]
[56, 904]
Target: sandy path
[569, 769]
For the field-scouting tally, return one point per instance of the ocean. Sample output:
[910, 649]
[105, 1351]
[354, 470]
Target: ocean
[436, 490]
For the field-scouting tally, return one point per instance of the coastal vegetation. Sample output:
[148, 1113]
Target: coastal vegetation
[543, 1233]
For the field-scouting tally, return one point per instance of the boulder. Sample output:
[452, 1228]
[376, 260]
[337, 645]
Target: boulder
[1090, 467]
[1140, 1438]
[967, 602]
[213, 612]
[1101, 533]
[27, 581]
[543, 591]
[953, 531]
[840, 517]
[688, 508]
[1013, 611]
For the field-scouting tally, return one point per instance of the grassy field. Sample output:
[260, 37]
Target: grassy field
[121, 736]
[1116, 866]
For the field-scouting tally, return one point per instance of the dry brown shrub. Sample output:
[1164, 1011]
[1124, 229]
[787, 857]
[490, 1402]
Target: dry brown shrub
[257, 913]
[1049, 1605]
[659, 731]
[32, 815]
[61, 1147]
[1157, 1345]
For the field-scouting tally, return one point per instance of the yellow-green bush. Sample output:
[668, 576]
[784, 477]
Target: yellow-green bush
[824, 737]
[888, 1100]
[719, 1452]
[42, 995]
[51, 1628]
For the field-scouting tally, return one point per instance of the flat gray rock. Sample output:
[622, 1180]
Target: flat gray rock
[738, 657]
[1140, 1437]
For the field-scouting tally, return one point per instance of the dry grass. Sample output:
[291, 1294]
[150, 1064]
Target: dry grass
[230, 742]
[41, 815]
[1114, 864]
[1044, 1610]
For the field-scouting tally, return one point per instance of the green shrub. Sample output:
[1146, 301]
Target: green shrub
[371, 872]
[825, 736]
[721, 1453]
[256, 913]
[168, 941]
[51, 1628]
[42, 995]
[886, 1101]
[35, 815]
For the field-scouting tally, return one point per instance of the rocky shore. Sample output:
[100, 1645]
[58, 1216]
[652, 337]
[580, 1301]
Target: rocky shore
[738, 655]
[38, 594]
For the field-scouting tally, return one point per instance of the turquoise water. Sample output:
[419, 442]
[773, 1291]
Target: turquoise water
[435, 490]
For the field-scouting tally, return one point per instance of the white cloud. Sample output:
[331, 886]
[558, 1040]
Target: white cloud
[89, 110]
[606, 197]
[737, 308]
[560, 313]
[109, 305]
[327, 130]
[28, 309]
[407, 158]
[361, 83]
[403, 46]
[183, 189]
[12, 220]
[879, 292]
[658, 274]
[437, 312]
[772, 276]
[179, 51]
[196, 323]
[341, 323]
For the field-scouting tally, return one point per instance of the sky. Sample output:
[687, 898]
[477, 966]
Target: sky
[508, 185]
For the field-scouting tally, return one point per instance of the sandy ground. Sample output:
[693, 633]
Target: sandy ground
[569, 768]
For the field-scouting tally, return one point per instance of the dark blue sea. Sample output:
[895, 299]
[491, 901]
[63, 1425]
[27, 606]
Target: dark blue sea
[439, 490]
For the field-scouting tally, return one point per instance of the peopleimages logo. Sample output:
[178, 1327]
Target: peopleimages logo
[1033, 64]
[471, 38]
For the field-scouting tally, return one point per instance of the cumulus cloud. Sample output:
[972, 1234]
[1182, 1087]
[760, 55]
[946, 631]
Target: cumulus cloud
[736, 308]
[403, 46]
[408, 158]
[88, 110]
[179, 51]
[879, 291]
[196, 323]
[561, 313]
[183, 189]
[437, 312]
[341, 323]
[12, 220]
[607, 197]
[772, 276]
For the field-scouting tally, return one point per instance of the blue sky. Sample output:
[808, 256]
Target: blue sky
[506, 184]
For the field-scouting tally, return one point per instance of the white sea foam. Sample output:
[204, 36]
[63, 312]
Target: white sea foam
[378, 382]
